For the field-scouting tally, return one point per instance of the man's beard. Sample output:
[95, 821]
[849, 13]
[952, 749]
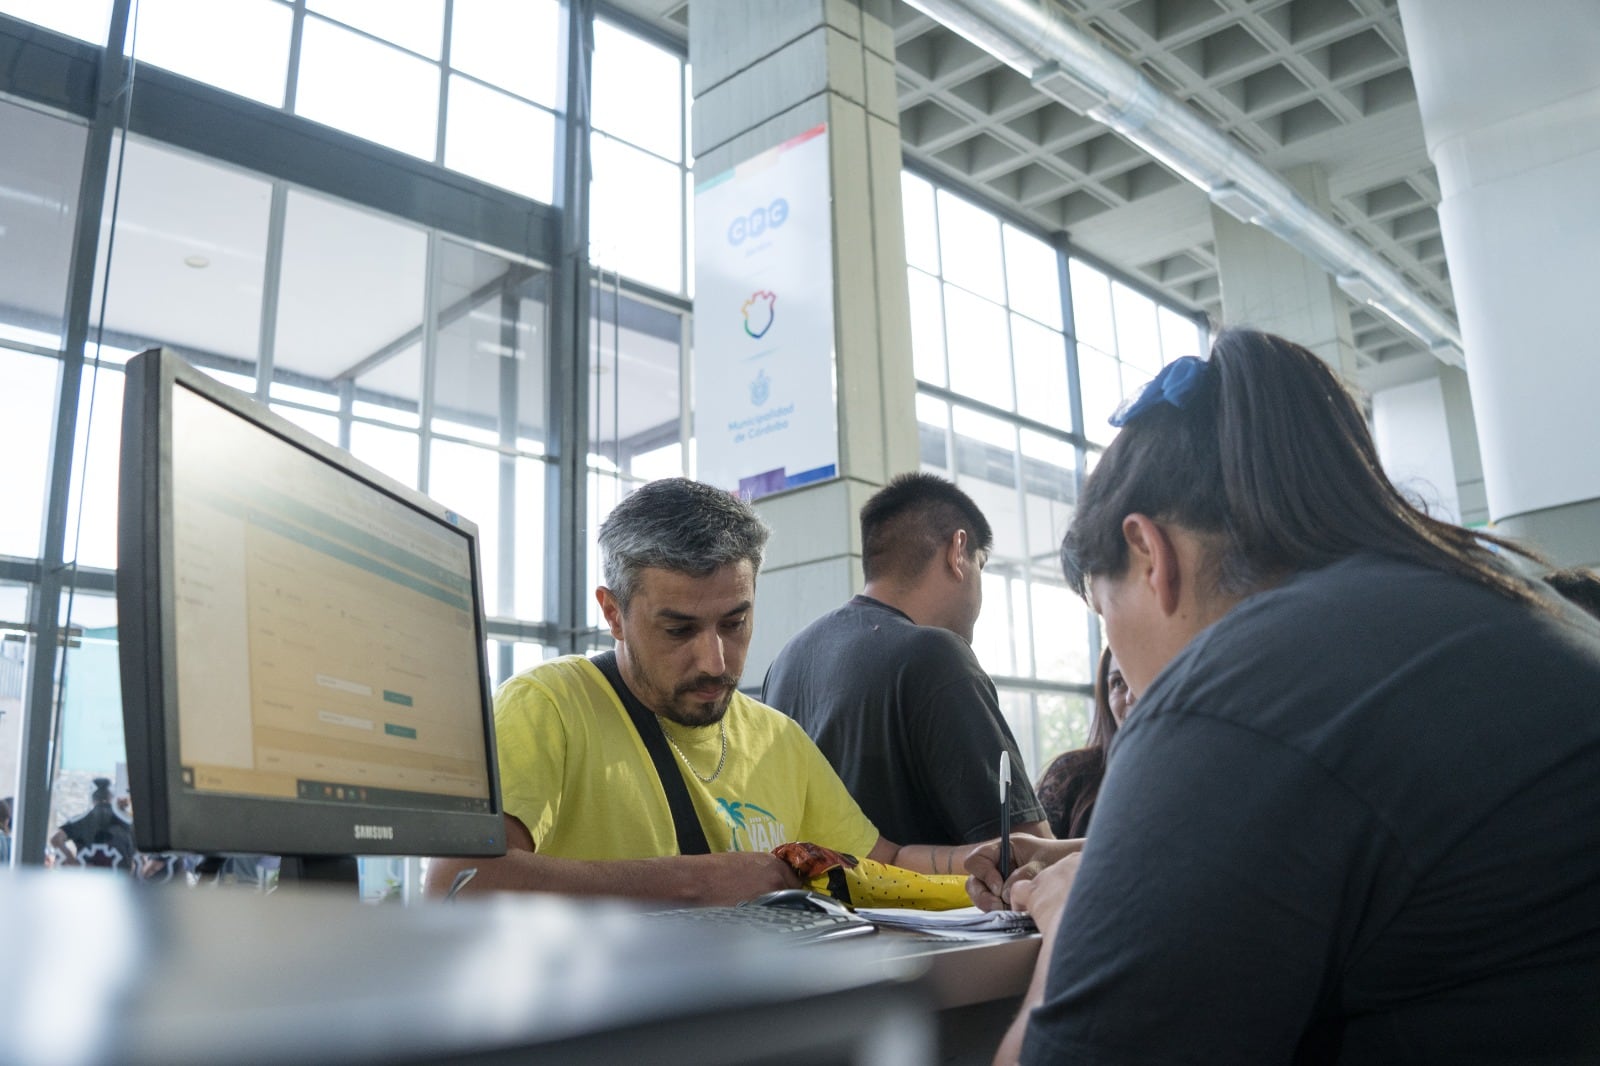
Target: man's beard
[687, 710]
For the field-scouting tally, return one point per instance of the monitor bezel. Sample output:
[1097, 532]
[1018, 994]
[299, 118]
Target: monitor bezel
[167, 816]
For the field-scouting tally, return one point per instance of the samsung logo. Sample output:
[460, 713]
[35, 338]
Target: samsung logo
[374, 832]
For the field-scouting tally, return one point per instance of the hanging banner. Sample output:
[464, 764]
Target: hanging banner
[765, 407]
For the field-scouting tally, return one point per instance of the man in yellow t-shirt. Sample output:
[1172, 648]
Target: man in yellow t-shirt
[586, 812]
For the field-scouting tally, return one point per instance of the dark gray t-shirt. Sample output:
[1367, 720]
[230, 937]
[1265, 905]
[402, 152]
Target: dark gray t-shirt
[1356, 820]
[909, 720]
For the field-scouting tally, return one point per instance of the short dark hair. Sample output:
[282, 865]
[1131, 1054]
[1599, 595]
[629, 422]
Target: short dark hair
[910, 520]
[680, 525]
[1270, 458]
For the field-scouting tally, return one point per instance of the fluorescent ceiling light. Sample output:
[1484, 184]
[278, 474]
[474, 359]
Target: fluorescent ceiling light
[1242, 205]
[1446, 352]
[1077, 93]
[1358, 288]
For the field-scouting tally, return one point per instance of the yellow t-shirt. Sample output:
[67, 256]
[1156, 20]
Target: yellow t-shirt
[574, 771]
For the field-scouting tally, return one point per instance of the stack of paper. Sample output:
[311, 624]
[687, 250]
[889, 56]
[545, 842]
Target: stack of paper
[963, 922]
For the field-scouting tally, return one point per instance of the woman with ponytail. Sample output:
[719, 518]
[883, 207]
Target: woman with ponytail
[1355, 816]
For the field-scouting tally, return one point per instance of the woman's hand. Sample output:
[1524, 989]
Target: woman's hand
[1032, 855]
[1045, 895]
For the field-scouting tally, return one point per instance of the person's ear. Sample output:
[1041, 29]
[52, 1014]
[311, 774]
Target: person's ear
[1153, 559]
[955, 555]
[611, 609]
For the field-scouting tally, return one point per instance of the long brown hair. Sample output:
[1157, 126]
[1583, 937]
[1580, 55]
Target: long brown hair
[1271, 456]
[1071, 783]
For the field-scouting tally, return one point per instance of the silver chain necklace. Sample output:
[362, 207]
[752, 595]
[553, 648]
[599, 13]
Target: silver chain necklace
[723, 724]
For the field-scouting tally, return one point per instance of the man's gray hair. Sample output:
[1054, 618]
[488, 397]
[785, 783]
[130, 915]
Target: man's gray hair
[680, 525]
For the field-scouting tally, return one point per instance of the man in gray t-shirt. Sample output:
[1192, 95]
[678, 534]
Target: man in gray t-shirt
[888, 687]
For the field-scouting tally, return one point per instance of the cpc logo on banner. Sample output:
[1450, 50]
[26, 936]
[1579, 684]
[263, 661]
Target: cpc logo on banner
[757, 222]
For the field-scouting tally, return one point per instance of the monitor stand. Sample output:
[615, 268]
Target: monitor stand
[256, 870]
[319, 869]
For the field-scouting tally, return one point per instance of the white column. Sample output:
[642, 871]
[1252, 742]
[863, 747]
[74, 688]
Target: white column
[1412, 433]
[1510, 95]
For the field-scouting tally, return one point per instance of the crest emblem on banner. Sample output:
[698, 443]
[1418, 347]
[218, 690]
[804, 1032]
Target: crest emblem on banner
[758, 313]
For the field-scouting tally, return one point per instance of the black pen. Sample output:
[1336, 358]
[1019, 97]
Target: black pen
[1005, 814]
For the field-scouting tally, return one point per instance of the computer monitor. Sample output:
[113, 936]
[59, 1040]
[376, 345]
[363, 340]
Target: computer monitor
[304, 670]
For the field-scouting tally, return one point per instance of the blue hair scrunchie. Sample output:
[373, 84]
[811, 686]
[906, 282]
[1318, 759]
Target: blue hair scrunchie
[1176, 384]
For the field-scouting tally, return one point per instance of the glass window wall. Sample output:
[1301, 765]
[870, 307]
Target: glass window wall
[339, 67]
[423, 352]
[14, 653]
[636, 402]
[415, 25]
[39, 171]
[87, 20]
[90, 741]
[1124, 339]
[486, 109]
[26, 406]
[638, 239]
[639, 208]
[241, 46]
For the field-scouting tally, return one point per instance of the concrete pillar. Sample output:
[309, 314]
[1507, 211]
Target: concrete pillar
[1508, 95]
[1438, 442]
[1268, 285]
[765, 71]
[1464, 454]
[1411, 430]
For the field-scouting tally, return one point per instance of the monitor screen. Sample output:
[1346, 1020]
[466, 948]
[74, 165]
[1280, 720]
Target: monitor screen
[302, 645]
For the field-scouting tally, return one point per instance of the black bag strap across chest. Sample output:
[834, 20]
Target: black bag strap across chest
[685, 822]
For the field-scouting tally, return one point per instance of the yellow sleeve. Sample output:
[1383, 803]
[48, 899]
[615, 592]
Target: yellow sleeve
[531, 743]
